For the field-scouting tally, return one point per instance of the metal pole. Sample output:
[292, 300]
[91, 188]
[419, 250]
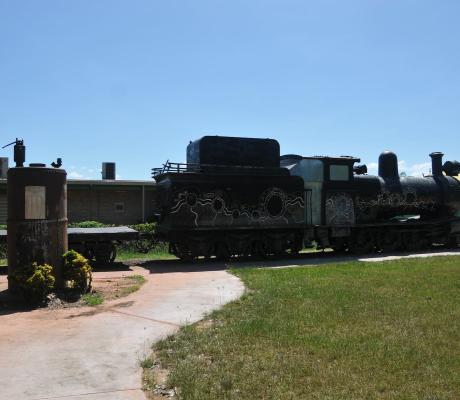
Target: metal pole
[143, 203]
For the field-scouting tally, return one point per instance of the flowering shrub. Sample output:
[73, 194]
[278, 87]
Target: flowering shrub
[34, 282]
[77, 271]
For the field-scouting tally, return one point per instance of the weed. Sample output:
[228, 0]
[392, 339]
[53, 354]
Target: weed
[92, 299]
[146, 363]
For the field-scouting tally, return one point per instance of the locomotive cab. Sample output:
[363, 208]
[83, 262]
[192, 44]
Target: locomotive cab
[328, 197]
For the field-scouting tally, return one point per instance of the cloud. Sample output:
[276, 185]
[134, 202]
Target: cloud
[82, 173]
[417, 169]
[372, 168]
[420, 169]
[74, 175]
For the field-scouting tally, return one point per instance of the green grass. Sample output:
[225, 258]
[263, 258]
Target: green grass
[126, 255]
[137, 282]
[92, 299]
[146, 363]
[129, 284]
[388, 330]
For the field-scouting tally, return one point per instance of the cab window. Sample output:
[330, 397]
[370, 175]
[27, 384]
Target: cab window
[339, 173]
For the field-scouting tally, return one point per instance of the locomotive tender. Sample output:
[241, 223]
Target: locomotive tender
[239, 197]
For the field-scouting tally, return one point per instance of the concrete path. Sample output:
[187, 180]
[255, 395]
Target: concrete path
[94, 353]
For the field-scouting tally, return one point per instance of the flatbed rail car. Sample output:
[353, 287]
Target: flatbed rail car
[96, 244]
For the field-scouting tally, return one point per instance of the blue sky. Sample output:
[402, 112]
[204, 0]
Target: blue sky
[134, 81]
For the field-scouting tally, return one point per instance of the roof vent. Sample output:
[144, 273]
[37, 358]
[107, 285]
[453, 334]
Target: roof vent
[108, 171]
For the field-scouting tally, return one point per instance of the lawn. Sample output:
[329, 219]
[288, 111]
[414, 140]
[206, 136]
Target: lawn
[388, 330]
[155, 254]
[126, 255]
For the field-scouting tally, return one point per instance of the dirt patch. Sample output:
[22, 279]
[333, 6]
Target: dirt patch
[103, 290]
[155, 380]
[114, 288]
[205, 324]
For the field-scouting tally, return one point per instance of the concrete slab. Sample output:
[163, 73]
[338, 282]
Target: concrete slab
[94, 353]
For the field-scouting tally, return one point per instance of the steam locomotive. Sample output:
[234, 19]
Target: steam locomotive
[239, 197]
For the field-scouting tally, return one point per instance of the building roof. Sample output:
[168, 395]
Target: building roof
[111, 182]
[103, 182]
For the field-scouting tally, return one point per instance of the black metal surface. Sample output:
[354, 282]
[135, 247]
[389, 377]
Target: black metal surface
[182, 168]
[207, 201]
[19, 152]
[226, 151]
[207, 204]
[451, 168]
[388, 165]
[57, 164]
[436, 163]
[360, 169]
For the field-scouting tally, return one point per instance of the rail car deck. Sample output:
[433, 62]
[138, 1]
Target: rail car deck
[97, 244]
[84, 234]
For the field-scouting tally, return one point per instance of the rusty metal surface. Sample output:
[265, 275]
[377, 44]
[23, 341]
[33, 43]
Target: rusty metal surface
[37, 240]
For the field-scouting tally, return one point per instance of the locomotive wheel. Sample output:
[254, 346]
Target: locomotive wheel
[414, 241]
[279, 248]
[208, 252]
[339, 244]
[294, 247]
[389, 241]
[361, 242]
[183, 252]
[259, 250]
[222, 252]
[451, 242]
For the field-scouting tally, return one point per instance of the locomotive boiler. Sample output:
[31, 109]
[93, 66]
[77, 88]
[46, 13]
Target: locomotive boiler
[239, 197]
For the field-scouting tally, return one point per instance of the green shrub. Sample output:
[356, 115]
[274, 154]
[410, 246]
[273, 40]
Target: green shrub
[2, 250]
[77, 271]
[144, 228]
[147, 240]
[88, 224]
[2, 227]
[34, 282]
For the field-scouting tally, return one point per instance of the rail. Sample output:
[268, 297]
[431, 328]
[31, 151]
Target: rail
[175, 167]
[184, 167]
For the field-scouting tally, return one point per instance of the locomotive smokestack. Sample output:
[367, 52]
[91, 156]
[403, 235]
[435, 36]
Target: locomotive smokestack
[436, 163]
[388, 165]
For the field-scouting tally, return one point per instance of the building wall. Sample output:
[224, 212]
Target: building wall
[110, 204]
[3, 207]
